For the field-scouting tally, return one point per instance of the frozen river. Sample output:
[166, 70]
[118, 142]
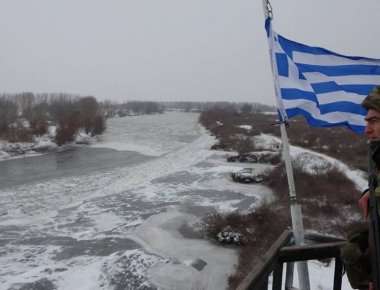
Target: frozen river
[112, 216]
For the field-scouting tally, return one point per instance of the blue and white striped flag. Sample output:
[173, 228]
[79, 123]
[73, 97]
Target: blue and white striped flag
[325, 87]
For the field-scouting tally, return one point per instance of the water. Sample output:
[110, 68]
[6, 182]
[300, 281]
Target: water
[73, 161]
[110, 216]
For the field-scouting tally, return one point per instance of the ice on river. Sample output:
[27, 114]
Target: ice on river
[121, 228]
[154, 138]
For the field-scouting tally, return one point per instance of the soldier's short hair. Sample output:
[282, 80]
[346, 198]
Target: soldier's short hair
[372, 101]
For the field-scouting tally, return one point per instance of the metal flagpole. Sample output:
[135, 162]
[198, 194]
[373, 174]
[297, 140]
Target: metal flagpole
[295, 208]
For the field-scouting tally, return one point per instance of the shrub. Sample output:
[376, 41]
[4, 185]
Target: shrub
[99, 125]
[251, 226]
[245, 145]
[67, 129]
[8, 114]
[19, 134]
[39, 127]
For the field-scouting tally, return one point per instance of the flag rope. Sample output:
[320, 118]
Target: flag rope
[268, 11]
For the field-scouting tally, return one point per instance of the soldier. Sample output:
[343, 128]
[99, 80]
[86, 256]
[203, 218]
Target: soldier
[372, 130]
[355, 253]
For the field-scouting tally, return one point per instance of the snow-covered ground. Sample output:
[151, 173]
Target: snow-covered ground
[321, 277]
[39, 146]
[312, 161]
[125, 228]
[246, 127]
[20, 150]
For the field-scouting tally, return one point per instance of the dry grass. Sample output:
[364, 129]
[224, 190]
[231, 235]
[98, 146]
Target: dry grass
[327, 198]
[337, 142]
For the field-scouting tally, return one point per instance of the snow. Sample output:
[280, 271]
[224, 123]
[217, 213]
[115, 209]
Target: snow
[129, 270]
[122, 146]
[41, 144]
[22, 123]
[267, 142]
[312, 160]
[84, 138]
[10, 151]
[4, 155]
[270, 113]
[221, 206]
[321, 276]
[160, 235]
[149, 141]
[82, 274]
[44, 143]
[52, 131]
[245, 127]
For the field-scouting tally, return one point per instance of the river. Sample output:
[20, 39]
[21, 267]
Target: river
[118, 214]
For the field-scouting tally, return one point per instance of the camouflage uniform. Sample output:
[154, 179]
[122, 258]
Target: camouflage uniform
[355, 253]
[356, 259]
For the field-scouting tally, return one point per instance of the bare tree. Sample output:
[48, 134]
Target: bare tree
[8, 114]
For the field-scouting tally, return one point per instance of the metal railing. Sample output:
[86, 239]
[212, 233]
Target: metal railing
[283, 251]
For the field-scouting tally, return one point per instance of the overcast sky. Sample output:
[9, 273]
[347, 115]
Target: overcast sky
[194, 50]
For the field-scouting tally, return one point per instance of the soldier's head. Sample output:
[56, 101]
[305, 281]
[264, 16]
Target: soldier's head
[372, 104]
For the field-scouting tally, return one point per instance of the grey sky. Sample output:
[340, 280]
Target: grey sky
[196, 50]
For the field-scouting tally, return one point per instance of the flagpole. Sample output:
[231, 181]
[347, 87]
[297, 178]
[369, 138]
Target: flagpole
[295, 208]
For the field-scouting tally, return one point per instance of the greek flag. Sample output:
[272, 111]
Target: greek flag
[325, 87]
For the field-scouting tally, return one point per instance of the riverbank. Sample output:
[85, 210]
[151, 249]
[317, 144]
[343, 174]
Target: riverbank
[327, 188]
[40, 145]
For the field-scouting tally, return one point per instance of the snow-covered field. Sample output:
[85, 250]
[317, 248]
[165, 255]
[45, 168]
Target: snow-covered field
[125, 228]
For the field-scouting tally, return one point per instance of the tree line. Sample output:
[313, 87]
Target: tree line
[25, 115]
[131, 108]
[228, 106]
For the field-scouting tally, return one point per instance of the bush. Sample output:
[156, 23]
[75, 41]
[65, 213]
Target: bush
[99, 125]
[251, 226]
[39, 127]
[67, 129]
[8, 115]
[19, 134]
[245, 145]
[273, 158]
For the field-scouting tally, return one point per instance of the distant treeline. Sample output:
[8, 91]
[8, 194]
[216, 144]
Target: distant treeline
[226, 106]
[131, 108]
[24, 115]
